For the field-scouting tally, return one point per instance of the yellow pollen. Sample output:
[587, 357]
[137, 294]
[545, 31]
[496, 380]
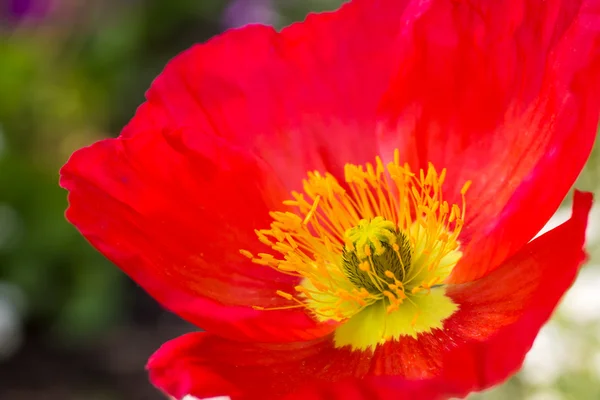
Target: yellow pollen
[377, 248]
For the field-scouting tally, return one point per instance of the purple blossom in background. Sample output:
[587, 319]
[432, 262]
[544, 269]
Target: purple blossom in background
[243, 12]
[18, 10]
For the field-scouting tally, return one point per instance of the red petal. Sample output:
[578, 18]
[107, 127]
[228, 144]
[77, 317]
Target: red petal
[173, 211]
[503, 93]
[205, 365]
[521, 296]
[373, 388]
[181, 191]
[302, 99]
[481, 345]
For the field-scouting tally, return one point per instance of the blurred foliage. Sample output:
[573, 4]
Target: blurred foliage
[72, 78]
[74, 74]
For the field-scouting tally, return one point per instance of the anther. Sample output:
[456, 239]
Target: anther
[312, 210]
[390, 296]
[246, 253]
[285, 295]
[465, 187]
[364, 266]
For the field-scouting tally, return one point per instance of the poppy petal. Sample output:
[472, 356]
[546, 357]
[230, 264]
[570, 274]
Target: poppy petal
[375, 388]
[305, 98]
[173, 212]
[174, 199]
[504, 94]
[206, 365]
[516, 300]
[480, 345]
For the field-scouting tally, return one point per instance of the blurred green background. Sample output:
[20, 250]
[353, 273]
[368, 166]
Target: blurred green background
[71, 325]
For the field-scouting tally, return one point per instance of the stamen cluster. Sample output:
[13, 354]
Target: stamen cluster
[385, 235]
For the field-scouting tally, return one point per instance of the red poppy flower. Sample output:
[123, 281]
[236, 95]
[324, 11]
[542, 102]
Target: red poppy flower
[346, 207]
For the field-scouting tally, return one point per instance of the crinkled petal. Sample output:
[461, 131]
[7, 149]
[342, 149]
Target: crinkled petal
[228, 128]
[303, 99]
[173, 212]
[205, 365]
[375, 388]
[518, 298]
[504, 94]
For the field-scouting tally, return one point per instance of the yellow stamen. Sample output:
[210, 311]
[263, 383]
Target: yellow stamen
[387, 236]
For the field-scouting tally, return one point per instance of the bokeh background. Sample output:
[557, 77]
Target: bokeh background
[71, 325]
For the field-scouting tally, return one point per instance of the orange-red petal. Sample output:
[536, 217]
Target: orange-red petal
[302, 99]
[373, 388]
[228, 128]
[517, 299]
[172, 210]
[504, 94]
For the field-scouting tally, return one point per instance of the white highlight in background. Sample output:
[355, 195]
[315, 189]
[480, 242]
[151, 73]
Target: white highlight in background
[592, 234]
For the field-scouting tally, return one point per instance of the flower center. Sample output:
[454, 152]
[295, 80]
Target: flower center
[372, 254]
[375, 254]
